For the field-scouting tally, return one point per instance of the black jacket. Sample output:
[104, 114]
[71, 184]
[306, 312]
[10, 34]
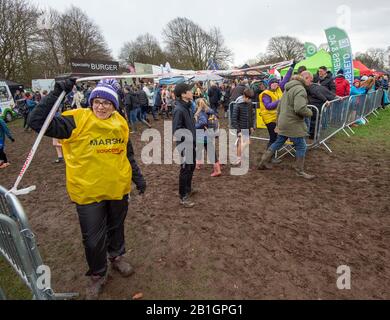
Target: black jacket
[183, 118]
[215, 95]
[243, 118]
[135, 99]
[327, 82]
[226, 100]
[237, 92]
[318, 95]
[143, 98]
[62, 127]
[129, 102]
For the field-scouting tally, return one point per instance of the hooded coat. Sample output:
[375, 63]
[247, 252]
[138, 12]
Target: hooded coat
[293, 110]
[343, 87]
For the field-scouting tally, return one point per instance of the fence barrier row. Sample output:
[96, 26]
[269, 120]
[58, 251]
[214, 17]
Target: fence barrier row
[334, 117]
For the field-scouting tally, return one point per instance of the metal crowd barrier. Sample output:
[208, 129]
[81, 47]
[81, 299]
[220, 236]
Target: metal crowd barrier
[288, 149]
[335, 116]
[341, 114]
[19, 248]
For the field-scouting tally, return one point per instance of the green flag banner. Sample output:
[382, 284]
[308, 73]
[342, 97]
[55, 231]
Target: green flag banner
[310, 49]
[341, 52]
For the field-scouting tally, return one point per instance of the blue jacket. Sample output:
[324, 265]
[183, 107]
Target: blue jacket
[4, 131]
[385, 84]
[31, 104]
[157, 98]
[358, 91]
[202, 123]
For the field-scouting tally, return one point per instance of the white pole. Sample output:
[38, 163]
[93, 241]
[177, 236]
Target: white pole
[34, 149]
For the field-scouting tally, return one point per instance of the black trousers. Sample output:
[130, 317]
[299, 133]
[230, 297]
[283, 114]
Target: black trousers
[3, 156]
[102, 228]
[273, 136]
[186, 175]
[25, 124]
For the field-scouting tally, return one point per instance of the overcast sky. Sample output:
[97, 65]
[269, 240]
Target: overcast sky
[247, 25]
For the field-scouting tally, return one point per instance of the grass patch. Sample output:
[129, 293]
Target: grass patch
[11, 284]
[376, 131]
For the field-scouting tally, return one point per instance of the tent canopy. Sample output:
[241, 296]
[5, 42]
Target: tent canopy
[172, 81]
[364, 70]
[312, 64]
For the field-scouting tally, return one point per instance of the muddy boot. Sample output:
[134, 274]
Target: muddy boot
[264, 163]
[275, 160]
[217, 171]
[193, 193]
[124, 269]
[187, 203]
[299, 168]
[95, 287]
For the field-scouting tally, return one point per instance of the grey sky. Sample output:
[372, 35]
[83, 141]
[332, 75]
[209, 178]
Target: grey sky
[247, 25]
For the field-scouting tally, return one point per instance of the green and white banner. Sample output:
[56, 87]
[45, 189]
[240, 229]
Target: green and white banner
[310, 49]
[341, 52]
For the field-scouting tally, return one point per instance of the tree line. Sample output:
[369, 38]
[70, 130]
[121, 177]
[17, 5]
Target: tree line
[37, 44]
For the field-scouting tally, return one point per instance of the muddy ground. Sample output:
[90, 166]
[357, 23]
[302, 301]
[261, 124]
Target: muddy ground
[265, 235]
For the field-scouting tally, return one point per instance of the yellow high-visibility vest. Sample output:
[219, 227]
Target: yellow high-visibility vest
[97, 167]
[270, 116]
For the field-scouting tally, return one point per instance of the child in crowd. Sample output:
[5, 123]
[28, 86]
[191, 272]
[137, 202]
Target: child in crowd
[206, 120]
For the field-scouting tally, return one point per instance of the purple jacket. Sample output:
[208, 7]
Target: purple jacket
[267, 100]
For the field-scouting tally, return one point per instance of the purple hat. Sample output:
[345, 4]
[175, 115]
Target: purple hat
[273, 80]
[106, 89]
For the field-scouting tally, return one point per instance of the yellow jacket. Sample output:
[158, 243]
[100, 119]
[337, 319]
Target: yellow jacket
[97, 167]
[270, 116]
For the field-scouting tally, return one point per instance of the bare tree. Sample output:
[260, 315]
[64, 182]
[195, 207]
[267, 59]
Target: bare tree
[374, 58]
[189, 46]
[264, 59]
[286, 48]
[80, 37]
[145, 49]
[17, 39]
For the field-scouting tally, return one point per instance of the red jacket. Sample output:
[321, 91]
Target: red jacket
[343, 87]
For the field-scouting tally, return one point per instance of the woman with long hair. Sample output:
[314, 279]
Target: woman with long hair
[207, 127]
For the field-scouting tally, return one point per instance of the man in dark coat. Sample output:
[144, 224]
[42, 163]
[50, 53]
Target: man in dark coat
[183, 119]
[215, 96]
[317, 96]
[325, 79]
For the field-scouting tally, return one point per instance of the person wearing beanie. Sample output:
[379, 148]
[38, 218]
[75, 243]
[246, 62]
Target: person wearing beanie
[269, 101]
[343, 87]
[100, 168]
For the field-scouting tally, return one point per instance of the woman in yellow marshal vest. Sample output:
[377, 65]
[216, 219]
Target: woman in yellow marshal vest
[269, 100]
[100, 168]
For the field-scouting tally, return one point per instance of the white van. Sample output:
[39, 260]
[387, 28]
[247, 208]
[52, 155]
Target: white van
[7, 103]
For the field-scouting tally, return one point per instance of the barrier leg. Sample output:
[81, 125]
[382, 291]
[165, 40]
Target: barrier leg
[346, 132]
[327, 147]
[350, 129]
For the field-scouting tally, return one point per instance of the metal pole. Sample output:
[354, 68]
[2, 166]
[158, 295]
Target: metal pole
[34, 149]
